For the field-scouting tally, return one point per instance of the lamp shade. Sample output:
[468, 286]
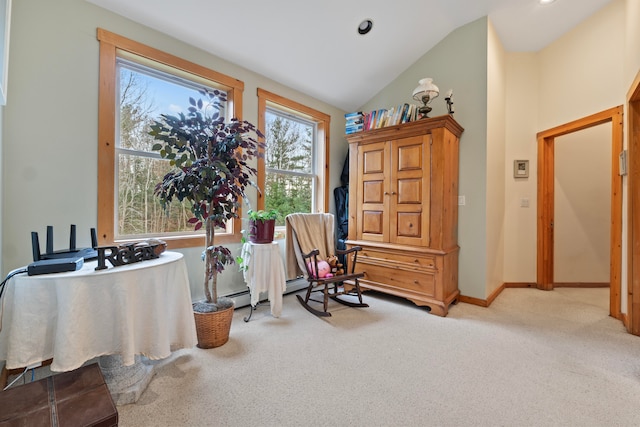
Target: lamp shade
[426, 89]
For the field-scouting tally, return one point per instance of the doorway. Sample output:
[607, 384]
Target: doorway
[633, 239]
[546, 196]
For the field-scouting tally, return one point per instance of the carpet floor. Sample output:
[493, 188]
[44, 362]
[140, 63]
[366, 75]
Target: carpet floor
[533, 358]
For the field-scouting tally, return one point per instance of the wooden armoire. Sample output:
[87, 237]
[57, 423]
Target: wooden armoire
[403, 210]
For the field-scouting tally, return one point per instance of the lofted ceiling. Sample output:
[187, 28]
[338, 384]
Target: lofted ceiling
[315, 47]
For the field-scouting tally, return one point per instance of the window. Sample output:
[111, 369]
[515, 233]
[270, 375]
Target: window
[137, 84]
[293, 175]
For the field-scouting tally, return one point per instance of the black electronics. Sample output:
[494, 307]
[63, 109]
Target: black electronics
[59, 265]
[72, 252]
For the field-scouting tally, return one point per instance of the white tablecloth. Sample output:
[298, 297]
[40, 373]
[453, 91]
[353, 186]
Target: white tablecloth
[142, 308]
[264, 272]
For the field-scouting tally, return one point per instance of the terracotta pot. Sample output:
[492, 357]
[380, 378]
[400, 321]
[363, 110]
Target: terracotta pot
[261, 231]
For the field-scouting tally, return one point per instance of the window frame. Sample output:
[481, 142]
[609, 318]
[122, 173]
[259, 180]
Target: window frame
[323, 124]
[110, 44]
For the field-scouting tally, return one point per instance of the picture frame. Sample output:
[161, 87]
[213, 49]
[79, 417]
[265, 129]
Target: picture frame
[521, 168]
[5, 23]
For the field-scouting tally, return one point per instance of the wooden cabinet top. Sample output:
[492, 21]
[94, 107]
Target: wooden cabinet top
[421, 126]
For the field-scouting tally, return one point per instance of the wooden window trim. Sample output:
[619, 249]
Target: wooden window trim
[110, 43]
[323, 122]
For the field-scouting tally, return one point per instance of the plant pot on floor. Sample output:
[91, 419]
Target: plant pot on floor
[213, 328]
[261, 231]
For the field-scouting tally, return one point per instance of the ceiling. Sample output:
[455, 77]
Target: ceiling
[315, 47]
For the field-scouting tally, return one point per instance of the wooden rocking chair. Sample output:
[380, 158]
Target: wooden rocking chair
[332, 287]
[310, 239]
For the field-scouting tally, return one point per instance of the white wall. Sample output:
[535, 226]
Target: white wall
[49, 148]
[458, 62]
[582, 220]
[577, 75]
[496, 113]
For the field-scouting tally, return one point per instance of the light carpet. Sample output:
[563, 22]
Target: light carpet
[533, 358]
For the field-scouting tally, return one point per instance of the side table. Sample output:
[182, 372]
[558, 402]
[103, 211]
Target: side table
[264, 272]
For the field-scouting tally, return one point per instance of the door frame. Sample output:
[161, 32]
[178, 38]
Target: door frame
[633, 209]
[546, 145]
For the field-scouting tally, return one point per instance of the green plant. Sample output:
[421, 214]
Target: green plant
[263, 215]
[212, 173]
[259, 215]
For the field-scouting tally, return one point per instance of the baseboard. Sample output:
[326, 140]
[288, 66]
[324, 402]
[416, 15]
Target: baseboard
[581, 285]
[520, 285]
[243, 299]
[474, 301]
[487, 302]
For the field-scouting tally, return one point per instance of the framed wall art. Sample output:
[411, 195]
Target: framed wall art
[521, 168]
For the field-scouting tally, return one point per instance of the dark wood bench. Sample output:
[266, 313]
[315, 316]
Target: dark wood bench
[75, 398]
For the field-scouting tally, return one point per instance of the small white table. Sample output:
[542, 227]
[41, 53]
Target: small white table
[264, 272]
[140, 309]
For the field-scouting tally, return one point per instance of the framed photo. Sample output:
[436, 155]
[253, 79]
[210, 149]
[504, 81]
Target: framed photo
[5, 20]
[521, 168]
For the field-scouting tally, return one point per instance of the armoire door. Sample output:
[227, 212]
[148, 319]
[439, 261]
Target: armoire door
[373, 192]
[410, 190]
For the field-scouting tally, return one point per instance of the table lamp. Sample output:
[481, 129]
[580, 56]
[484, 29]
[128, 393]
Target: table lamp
[425, 93]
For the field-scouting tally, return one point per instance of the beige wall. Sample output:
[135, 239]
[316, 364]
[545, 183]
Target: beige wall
[496, 109]
[520, 128]
[582, 212]
[458, 62]
[581, 73]
[632, 42]
[577, 75]
[50, 133]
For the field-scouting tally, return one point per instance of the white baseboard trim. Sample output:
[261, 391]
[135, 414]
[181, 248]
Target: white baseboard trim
[243, 299]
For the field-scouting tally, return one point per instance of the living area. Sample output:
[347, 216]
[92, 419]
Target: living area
[502, 100]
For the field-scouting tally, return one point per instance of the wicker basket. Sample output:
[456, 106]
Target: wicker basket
[213, 328]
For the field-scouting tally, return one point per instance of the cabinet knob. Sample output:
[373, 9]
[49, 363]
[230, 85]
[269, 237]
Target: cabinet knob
[386, 193]
[393, 193]
[416, 260]
[416, 282]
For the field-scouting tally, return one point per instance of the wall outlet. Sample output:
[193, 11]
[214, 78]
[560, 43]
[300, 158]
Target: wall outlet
[524, 202]
[461, 201]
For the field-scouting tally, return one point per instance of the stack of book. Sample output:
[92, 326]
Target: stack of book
[376, 119]
[354, 122]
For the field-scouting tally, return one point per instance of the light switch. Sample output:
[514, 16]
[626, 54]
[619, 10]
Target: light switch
[461, 201]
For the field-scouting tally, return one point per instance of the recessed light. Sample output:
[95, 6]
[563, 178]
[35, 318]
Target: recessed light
[365, 26]
[546, 1]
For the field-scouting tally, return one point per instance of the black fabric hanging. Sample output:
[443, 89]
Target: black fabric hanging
[341, 196]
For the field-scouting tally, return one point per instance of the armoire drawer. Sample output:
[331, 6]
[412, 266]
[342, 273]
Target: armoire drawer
[397, 278]
[421, 260]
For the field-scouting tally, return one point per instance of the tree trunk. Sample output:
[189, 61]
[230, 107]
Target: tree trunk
[209, 270]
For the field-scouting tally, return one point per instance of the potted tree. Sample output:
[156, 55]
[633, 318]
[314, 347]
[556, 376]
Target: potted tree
[262, 225]
[211, 174]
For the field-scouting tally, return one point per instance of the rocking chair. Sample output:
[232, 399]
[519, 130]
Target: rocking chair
[315, 231]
